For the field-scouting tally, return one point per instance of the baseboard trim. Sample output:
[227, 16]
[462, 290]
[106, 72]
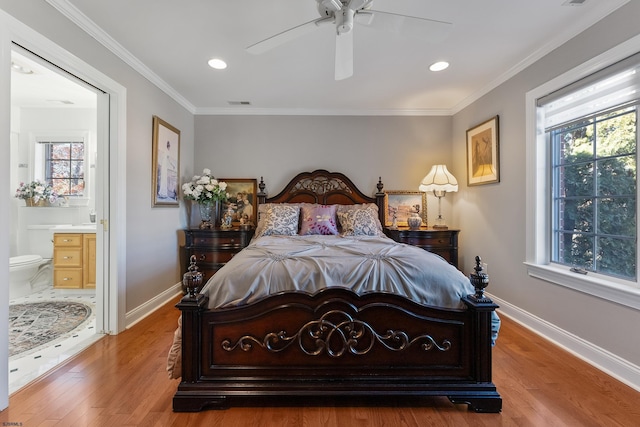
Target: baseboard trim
[609, 363]
[137, 314]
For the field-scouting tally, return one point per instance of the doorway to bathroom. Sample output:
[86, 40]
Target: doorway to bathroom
[58, 137]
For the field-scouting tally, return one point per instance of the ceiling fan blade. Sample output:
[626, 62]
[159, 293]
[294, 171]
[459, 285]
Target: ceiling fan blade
[287, 35]
[425, 29]
[344, 55]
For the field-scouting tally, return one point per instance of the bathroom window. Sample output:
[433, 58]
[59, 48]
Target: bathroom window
[63, 165]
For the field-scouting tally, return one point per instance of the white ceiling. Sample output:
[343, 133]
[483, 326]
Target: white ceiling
[171, 41]
[41, 85]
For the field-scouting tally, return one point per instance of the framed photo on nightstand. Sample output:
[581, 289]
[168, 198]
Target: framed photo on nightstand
[400, 204]
[242, 200]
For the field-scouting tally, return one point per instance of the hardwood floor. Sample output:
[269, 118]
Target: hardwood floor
[121, 381]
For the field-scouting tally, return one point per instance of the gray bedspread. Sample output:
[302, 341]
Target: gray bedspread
[309, 263]
[272, 264]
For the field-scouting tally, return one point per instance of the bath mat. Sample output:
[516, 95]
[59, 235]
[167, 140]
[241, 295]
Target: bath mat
[36, 324]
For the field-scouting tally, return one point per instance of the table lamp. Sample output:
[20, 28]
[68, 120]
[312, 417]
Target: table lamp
[440, 181]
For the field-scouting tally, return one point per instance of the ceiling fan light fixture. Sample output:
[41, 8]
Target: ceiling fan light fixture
[331, 4]
[217, 63]
[344, 20]
[439, 66]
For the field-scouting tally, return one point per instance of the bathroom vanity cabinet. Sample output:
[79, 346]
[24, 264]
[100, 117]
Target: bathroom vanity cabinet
[89, 261]
[74, 260]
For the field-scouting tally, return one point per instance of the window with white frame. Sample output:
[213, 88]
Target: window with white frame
[582, 143]
[61, 162]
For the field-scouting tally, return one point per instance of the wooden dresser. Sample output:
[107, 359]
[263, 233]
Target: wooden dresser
[441, 242]
[74, 260]
[213, 247]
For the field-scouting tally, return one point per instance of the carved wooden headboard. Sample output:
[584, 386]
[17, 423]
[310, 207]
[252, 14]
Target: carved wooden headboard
[323, 187]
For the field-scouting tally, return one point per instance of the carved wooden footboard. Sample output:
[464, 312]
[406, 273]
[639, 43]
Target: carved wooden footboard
[335, 343]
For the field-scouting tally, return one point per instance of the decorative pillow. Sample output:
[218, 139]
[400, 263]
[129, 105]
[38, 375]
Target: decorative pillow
[318, 219]
[360, 222]
[262, 213]
[281, 220]
[345, 208]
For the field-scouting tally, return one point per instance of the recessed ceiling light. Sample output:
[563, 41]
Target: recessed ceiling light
[20, 68]
[439, 66]
[218, 64]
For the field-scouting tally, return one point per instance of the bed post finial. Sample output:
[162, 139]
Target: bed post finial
[479, 280]
[192, 279]
[380, 200]
[262, 195]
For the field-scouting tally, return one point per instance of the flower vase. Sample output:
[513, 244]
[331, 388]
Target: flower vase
[414, 221]
[209, 214]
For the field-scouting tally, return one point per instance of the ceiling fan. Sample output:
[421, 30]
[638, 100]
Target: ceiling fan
[343, 13]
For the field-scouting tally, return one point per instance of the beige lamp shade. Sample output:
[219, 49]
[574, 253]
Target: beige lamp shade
[439, 179]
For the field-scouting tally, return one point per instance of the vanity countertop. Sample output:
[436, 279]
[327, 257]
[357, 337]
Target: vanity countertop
[84, 228]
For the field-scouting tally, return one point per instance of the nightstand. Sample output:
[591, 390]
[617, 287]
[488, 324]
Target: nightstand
[441, 242]
[213, 248]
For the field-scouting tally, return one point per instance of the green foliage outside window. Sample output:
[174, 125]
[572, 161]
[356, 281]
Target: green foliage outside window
[594, 201]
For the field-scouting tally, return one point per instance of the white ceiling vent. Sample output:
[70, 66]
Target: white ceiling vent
[239, 102]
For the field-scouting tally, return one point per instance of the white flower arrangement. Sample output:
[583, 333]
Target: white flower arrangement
[36, 190]
[205, 189]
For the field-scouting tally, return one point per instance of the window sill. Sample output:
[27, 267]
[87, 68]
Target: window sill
[77, 201]
[596, 286]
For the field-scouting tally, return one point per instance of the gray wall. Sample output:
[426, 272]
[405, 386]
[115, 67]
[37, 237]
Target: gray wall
[401, 150]
[492, 217]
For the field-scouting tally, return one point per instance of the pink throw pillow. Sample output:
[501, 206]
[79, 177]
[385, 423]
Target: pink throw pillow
[318, 219]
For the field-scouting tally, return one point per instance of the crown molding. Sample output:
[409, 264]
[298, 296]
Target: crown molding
[249, 111]
[91, 28]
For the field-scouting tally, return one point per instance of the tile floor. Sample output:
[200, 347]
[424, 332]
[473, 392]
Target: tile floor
[27, 368]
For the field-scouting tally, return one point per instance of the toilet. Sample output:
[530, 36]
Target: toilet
[22, 269]
[32, 272]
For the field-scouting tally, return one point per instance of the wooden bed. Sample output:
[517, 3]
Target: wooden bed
[335, 343]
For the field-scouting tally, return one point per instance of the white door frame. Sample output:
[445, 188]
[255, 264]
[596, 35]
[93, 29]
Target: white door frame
[13, 31]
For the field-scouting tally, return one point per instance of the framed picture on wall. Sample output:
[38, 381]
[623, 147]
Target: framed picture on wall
[482, 153]
[401, 204]
[166, 163]
[242, 200]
